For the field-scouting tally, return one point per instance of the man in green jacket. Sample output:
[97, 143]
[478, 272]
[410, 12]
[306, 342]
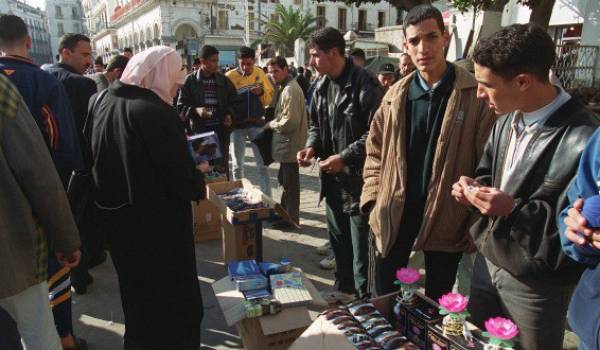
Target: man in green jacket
[290, 128]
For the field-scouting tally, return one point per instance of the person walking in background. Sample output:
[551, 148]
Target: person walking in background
[358, 57]
[433, 126]
[343, 105]
[145, 180]
[207, 102]
[519, 187]
[255, 92]
[113, 72]
[289, 136]
[385, 76]
[98, 65]
[33, 209]
[128, 52]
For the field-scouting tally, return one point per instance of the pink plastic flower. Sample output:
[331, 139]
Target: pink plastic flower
[501, 328]
[453, 302]
[407, 275]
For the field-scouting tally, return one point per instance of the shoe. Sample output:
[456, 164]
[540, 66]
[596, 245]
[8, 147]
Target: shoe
[328, 263]
[336, 296]
[325, 249]
[97, 260]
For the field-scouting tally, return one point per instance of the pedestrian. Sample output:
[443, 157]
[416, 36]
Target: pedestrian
[302, 81]
[342, 107]
[358, 57]
[405, 65]
[145, 179]
[207, 102]
[33, 209]
[75, 53]
[289, 136]
[98, 65]
[255, 93]
[529, 159]
[408, 201]
[127, 52]
[385, 76]
[292, 70]
[113, 72]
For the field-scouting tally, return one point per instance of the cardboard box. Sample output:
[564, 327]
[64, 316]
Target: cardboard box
[207, 221]
[454, 342]
[242, 242]
[270, 332]
[272, 210]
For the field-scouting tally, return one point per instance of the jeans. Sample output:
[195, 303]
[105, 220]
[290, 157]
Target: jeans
[349, 237]
[31, 312]
[238, 151]
[289, 178]
[538, 308]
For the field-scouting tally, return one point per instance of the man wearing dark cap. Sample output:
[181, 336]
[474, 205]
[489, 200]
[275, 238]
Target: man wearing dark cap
[358, 57]
[386, 76]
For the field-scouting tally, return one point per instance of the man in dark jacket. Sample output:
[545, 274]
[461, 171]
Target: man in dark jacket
[75, 58]
[343, 105]
[207, 100]
[519, 188]
[49, 104]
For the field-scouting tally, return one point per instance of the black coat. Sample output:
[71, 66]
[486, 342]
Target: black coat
[526, 243]
[191, 96]
[360, 98]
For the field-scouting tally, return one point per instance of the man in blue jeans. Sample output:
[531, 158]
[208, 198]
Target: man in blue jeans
[255, 93]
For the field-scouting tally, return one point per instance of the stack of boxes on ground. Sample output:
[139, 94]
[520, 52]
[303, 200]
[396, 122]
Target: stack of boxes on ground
[268, 302]
[387, 323]
[243, 208]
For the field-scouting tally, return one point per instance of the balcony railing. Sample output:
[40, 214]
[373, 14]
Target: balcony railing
[120, 11]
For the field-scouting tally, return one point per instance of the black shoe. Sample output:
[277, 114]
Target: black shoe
[80, 344]
[97, 260]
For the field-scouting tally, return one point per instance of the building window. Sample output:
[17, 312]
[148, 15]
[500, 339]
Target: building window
[297, 2]
[342, 19]
[362, 20]
[58, 11]
[223, 20]
[274, 17]
[380, 19]
[321, 16]
[74, 12]
[60, 29]
[251, 21]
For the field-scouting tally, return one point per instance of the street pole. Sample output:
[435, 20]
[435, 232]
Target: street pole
[247, 36]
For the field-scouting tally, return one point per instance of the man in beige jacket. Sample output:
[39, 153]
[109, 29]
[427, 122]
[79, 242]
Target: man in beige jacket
[429, 130]
[289, 135]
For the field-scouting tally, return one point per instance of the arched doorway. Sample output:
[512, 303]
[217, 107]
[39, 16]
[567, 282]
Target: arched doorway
[187, 42]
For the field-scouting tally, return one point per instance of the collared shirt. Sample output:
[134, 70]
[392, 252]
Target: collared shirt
[524, 127]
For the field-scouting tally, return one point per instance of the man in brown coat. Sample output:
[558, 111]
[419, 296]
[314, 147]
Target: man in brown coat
[429, 130]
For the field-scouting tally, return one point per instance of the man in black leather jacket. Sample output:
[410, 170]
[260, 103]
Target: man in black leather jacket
[342, 107]
[531, 156]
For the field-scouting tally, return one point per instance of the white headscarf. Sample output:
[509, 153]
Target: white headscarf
[157, 69]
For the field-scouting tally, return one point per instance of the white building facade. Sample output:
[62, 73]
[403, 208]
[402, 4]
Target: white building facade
[64, 16]
[187, 25]
[37, 27]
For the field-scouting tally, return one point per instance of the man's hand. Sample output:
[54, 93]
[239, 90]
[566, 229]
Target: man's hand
[489, 200]
[203, 166]
[459, 188]
[577, 231]
[257, 90]
[227, 122]
[204, 112]
[304, 156]
[332, 165]
[267, 126]
[69, 260]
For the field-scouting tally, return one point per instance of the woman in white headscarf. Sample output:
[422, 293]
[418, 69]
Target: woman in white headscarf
[145, 180]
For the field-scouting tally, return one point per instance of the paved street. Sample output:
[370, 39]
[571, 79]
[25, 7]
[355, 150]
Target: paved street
[98, 317]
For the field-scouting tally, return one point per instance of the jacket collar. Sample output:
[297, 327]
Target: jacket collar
[67, 67]
[347, 73]
[18, 59]
[416, 90]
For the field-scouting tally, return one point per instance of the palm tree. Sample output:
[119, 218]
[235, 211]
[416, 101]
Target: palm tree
[288, 25]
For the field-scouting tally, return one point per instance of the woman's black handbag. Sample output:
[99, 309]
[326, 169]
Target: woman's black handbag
[81, 184]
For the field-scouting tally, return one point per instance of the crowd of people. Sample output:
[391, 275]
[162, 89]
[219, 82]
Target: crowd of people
[490, 170]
